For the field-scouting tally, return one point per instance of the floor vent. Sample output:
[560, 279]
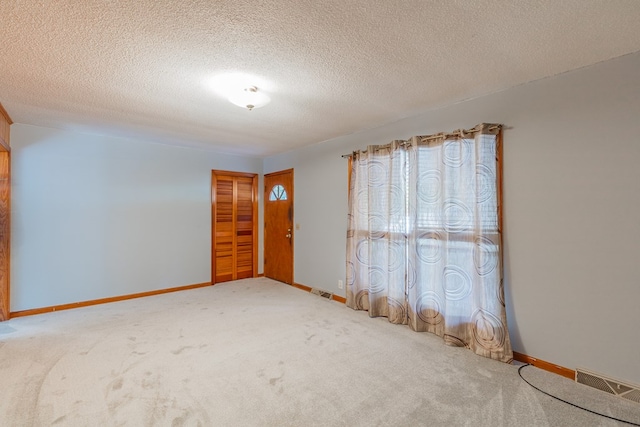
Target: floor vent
[608, 385]
[323, 294]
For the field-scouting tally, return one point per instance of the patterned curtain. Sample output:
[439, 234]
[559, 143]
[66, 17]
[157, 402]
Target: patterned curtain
[424, 238]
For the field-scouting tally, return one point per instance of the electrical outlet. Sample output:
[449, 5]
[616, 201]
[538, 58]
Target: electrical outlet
[340, 284]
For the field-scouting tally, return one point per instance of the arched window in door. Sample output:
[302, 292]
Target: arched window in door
[277, 193]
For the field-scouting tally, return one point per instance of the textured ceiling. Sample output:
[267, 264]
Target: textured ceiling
[143, 68]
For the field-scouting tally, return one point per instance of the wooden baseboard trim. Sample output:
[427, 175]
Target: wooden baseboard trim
[301, 286]
[53, 308]
[543, 364]
[339, 299]
[260, 275]
[308, 289]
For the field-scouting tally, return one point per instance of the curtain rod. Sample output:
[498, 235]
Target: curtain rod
[442, 135]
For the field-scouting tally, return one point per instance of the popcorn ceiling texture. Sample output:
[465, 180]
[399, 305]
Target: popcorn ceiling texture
[140, 68]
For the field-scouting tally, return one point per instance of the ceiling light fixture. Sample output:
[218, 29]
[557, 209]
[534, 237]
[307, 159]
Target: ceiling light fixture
[249, 98]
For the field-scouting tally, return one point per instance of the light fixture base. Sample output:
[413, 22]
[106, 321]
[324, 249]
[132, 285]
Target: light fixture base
[249, 98]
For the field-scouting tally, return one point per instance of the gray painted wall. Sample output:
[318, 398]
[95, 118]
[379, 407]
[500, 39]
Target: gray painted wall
[571, 209]
[96, 216]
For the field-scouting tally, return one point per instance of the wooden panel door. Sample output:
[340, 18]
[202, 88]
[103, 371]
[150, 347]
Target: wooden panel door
[234, 239]
[278, 226]
[246, 227]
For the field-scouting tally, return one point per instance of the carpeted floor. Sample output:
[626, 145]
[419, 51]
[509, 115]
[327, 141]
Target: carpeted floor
[260, 353]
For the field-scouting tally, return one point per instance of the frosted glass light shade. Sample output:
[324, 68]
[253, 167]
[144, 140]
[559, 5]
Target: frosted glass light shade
[249, 98]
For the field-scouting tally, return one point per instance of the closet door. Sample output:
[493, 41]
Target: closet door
[234, 237]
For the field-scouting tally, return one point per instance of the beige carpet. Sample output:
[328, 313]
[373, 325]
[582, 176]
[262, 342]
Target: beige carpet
[259, 353]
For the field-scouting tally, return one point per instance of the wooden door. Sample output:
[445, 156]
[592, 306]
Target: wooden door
[234, 213]
[278, 226]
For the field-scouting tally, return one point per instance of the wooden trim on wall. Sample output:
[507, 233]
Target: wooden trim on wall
[5, 125]
[544, 365]
[4, 113]
[4, 145]
[5, 214]
[5, 235]
[53, 308]
[339, 298]
[301, 286]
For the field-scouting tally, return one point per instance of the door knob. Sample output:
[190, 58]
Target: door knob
[288, 236]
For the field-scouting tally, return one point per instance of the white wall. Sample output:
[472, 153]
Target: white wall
[96, 216]
[571, 210]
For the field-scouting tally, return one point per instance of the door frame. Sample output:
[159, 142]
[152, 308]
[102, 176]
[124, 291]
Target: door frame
[5, 214]
[254, 196]
[265, 200]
